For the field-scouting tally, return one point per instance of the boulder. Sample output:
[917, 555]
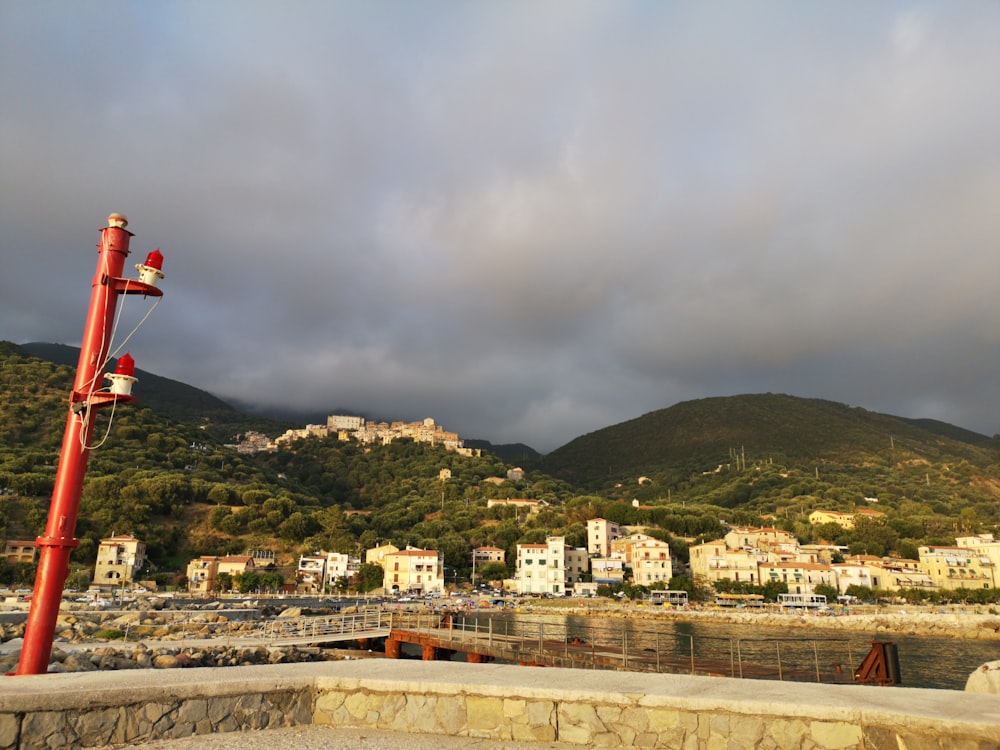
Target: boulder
[986, 679]
[166, 661]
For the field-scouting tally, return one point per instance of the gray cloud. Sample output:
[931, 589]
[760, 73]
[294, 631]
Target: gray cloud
[527, 220]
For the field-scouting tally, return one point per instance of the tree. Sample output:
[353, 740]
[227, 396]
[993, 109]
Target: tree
[492, 571]
[825, 589]
[369, 577]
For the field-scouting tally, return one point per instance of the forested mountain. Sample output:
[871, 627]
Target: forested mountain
[700, 435]
[162, 471]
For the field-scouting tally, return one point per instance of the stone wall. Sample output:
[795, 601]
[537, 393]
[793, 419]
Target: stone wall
[505, 702]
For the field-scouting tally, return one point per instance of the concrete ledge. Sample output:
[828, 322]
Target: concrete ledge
[496, 701]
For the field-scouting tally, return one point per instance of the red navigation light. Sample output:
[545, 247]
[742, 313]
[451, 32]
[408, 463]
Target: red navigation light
[155, 260]
[125, 366]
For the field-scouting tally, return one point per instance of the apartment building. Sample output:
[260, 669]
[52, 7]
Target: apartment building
[983, 545]
[323, 570]
[958, 567]
[311, 573]
[600, 534]
[577, 566]
[541, 568]
[712, 562]
[650, 562]
[412, 570]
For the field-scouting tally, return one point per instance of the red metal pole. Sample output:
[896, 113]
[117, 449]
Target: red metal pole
[58, 541]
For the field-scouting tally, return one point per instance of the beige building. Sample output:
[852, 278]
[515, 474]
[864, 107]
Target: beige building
[485, 555]
[376, 555]
[577, 566]
[417, 571]
[600, 534]
[650, 562]
[760, 538]
[958, 567]
[118, 559]
[714, 561]
[15, 551]
[844, 520]
[203, 573]
[983, 545]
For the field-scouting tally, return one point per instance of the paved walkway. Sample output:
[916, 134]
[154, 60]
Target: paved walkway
[318, 737]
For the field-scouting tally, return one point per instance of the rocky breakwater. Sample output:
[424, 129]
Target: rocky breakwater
[944, 623]
[152, 634]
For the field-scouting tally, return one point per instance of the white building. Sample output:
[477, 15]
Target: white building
[541, 568]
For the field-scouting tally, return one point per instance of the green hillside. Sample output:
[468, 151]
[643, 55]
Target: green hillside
[174, 483]
[162, 470]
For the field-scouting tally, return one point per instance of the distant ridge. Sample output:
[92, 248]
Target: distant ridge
[512, 453]
[693, 435]
[171, 398]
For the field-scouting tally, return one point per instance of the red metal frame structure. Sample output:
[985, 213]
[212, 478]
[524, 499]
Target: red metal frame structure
[58, 541]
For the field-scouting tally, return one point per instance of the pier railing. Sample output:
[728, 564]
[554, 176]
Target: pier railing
[828, 660]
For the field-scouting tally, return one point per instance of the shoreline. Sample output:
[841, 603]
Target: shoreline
[958, 623]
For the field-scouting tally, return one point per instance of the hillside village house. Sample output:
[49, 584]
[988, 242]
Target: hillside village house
[203, 573]
[522, 504]
[413, 570]
[347, 427]
[844, 520]
[118, 559]
[761, 539]
[15, 551]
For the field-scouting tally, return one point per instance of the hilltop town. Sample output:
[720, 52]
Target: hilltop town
[348, 427]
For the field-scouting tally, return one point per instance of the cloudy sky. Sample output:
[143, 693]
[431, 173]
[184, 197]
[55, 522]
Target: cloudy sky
[528, 220]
